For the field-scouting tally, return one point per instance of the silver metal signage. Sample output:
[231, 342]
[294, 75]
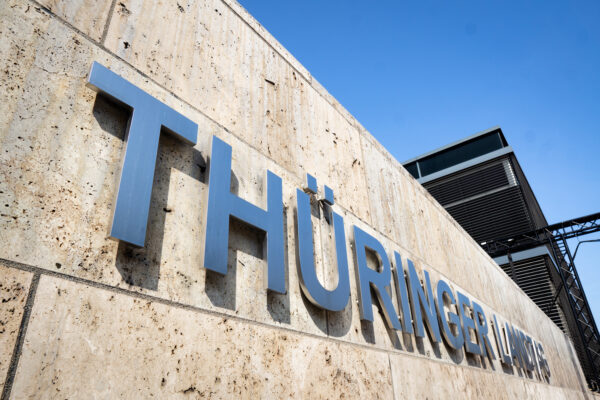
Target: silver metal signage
[148, 117]
[445, 315]
[333, 300]
[223, 204]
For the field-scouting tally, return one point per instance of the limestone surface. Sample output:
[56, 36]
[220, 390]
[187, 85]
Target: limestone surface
[14, 287]
[86, 340]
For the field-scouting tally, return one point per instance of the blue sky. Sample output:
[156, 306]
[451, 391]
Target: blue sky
[419, 75]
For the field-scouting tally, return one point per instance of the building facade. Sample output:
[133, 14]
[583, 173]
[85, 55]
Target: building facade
[480, 182]
[186, 212]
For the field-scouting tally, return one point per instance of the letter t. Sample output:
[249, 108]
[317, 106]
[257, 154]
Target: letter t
[148, 117]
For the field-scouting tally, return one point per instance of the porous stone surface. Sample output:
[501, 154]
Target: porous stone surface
[106, 312]
[441, 381]
[14, 287]
[215, 61]
[88, 16]
[86, 340]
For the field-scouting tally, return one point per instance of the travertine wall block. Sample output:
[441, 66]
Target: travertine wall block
[218, 64]
[89, 16]
[14, 287]
[86, 340]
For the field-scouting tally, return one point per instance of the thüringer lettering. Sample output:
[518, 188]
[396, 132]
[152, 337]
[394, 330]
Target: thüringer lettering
[447, 314]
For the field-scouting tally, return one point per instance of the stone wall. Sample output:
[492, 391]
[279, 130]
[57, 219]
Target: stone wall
[85, 316]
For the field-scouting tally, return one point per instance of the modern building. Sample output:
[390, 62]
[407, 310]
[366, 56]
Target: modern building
[480, 182]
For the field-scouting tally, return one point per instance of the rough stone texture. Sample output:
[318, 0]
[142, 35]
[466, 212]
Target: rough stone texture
[417, 378]
[216, 62]
[60, 164]
[89, 16]
[14, 286]
[61, 147]
[85, 340]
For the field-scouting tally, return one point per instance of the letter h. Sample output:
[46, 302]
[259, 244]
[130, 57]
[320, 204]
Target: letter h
[222, 204]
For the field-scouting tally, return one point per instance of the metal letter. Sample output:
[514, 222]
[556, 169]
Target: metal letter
[457, 340]
[534, 358]
[402, 294]
[334, 300]
[467, 323]
[328, 195]
[368, 278]
[502, 345]
[514, 347]
[148, 117]
[527, 357]
[222, 204]
[531, 352]
[542, 360]
[422, 306]
[311, 184]
[481, 327]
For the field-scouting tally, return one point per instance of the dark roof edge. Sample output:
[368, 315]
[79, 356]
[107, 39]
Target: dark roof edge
[466, 164]
[465, 139]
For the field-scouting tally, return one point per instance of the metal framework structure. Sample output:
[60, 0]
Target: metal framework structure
[555, 236]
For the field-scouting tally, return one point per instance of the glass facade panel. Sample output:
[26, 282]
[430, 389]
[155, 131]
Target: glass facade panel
[412, 169]
[461, 153]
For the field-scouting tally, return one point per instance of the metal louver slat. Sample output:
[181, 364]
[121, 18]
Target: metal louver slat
[533, 277]
[470, 184]
[500, 214]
